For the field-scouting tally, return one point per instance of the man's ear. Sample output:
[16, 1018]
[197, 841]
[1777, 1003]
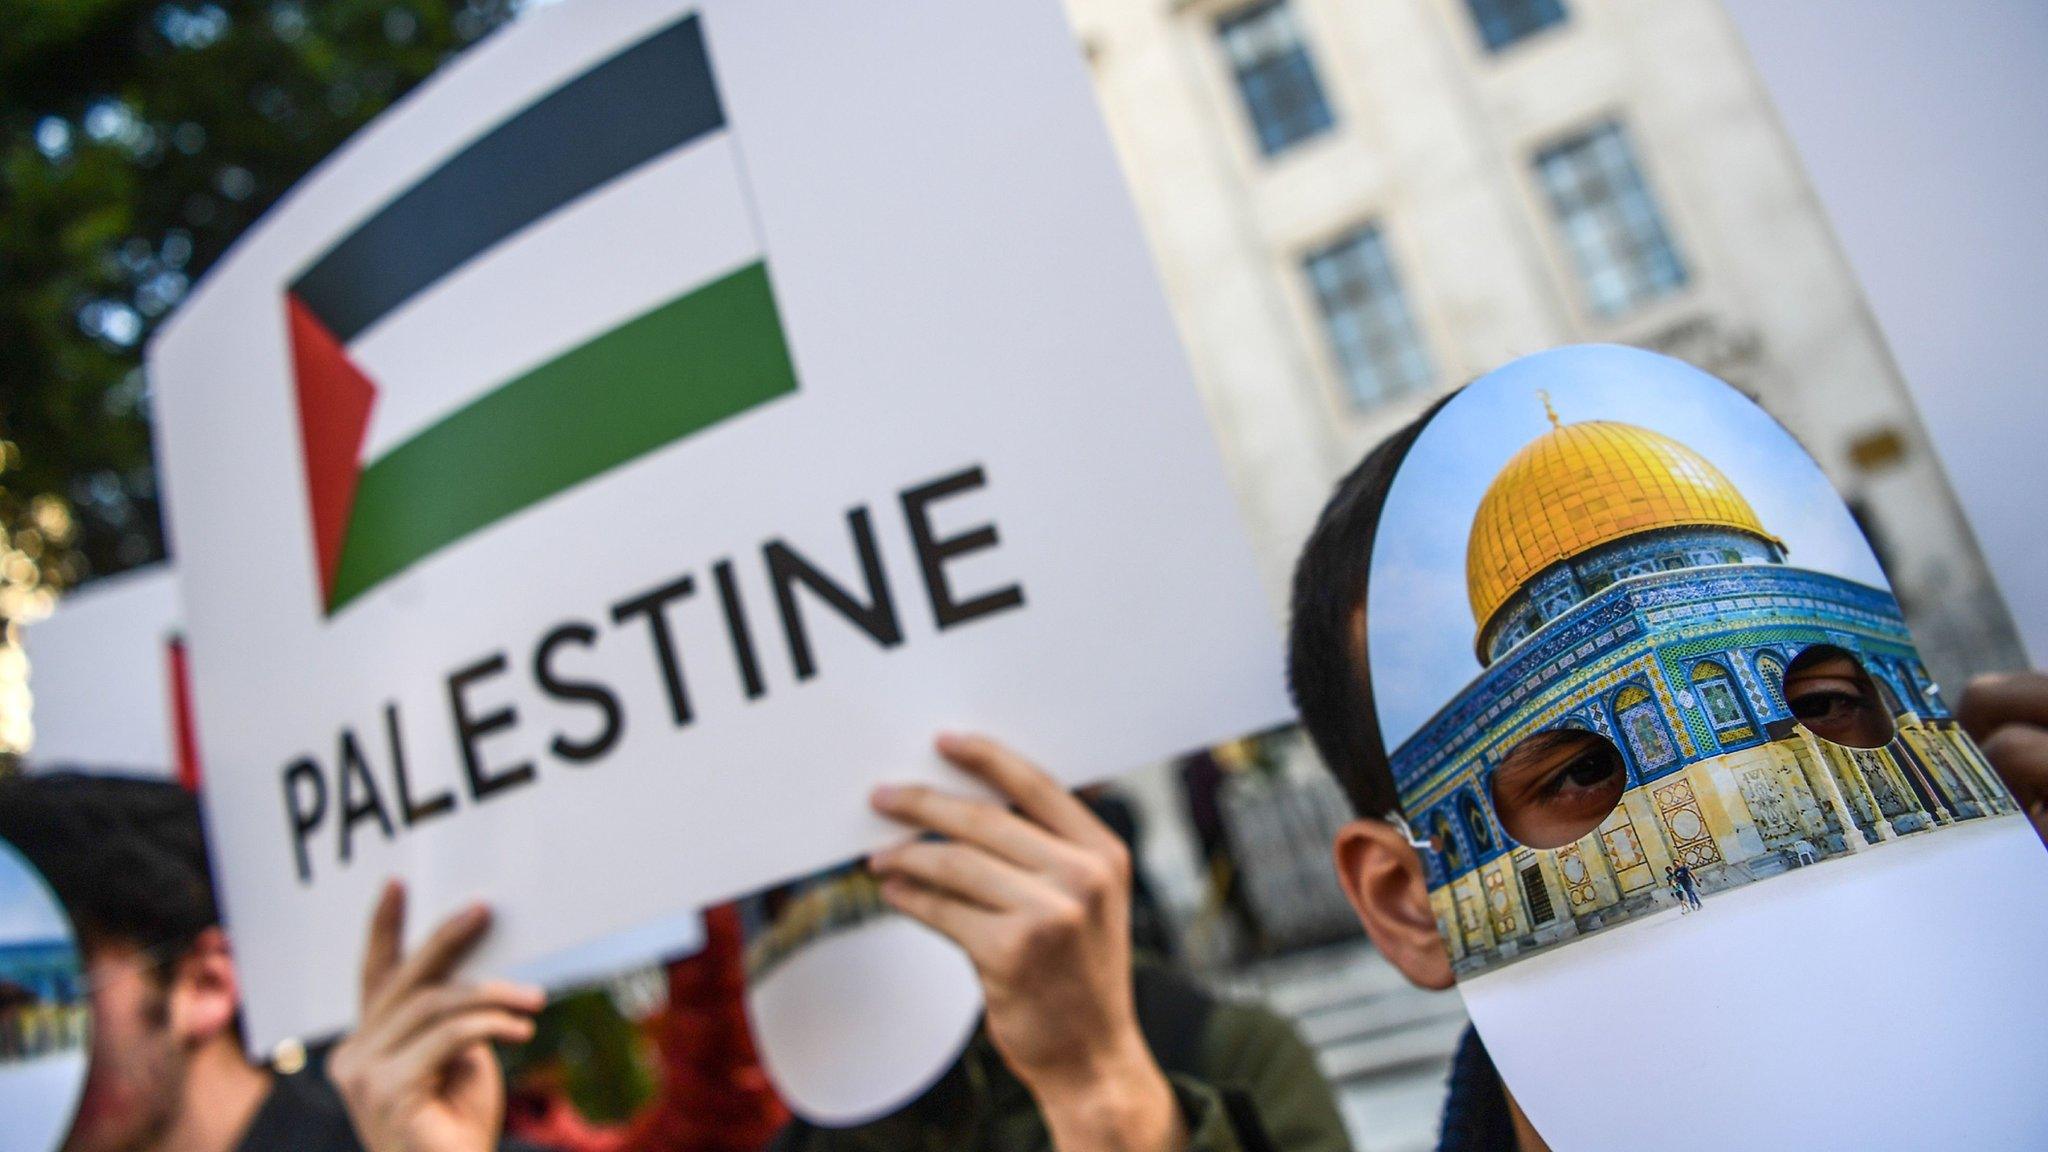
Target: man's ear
[1384, 877]
[205, 991]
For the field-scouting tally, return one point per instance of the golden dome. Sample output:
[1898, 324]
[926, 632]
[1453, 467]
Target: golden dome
[1582, 485]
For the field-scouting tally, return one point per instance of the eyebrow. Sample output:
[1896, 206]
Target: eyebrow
[1541, 742]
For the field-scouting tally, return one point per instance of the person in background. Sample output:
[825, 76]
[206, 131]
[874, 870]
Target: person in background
[1202, 780]
[1151, 932]
[127, 858]
[1076, 1052]
[711, 1094]
[1688, 885]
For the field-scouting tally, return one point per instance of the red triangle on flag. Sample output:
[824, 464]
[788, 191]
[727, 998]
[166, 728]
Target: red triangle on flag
[334, 417]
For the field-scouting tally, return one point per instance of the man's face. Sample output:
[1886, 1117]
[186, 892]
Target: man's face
[138, 1070]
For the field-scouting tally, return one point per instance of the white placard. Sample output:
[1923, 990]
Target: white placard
[1924, 130]
[100, 674]
[977, 385]
[105, 702]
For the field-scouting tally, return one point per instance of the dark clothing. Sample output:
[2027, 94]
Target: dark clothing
[1244, 1080]
[1476, 1117]
[1150, 934]
[303, 1113]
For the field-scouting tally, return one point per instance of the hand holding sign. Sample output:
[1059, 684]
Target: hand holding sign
[418, 1074]
[2007, 714]
[1040, 899]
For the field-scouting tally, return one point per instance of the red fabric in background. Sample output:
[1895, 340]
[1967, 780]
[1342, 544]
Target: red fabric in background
[185, 731]
[713, 1094]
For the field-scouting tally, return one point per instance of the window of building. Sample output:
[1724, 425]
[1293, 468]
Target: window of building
[1889, 695]
[1770, 670]
[1447, 842]
[1476, 825]
[1502, 22]
[1915, 681]
[1275, 74]
[1624, 254]
[1635, 710]
[1722, 698]
[1366, 316]
[1541, 911]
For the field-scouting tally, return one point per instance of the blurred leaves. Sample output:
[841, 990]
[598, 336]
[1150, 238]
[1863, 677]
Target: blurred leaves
[36, 535]
[583, 1046]
[137, 141]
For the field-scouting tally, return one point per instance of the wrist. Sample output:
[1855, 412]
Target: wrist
[1121, 1103]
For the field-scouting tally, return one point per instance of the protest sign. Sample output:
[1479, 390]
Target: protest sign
[112, 698]
[101, 671]
[632, 448]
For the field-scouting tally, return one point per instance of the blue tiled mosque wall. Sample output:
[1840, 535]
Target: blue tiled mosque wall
[1648, 632]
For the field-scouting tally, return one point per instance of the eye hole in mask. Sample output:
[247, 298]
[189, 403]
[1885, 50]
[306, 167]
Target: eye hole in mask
[1835, 698]
[1558, 786]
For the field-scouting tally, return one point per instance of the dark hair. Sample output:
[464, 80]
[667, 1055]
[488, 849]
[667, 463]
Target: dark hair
[127, 857]
[1325, 669]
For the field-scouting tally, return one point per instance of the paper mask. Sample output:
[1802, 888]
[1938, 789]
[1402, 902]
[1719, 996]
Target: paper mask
[1714, 864]
[856, 1010]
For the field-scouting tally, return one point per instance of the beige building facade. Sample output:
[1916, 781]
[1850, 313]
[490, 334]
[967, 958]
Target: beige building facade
[1358, 205]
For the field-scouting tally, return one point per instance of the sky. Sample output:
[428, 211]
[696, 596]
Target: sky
[27, 909]
[1419, 626]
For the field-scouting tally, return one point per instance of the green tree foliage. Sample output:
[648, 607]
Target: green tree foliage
[35, 539]
[137, 140]
[587, 1050]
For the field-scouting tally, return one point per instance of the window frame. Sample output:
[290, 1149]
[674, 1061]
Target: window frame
[1517, 35]
[1710, 674]
[1634, 698]
[1639, 206]
[1387, 313]
[1270, 142]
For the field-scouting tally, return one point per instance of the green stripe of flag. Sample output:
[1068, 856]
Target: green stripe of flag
[677, 370]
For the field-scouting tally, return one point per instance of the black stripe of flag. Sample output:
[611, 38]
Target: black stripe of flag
[642, 103]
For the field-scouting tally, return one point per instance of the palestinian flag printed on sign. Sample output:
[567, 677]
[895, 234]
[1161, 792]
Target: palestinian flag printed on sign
[493, 335]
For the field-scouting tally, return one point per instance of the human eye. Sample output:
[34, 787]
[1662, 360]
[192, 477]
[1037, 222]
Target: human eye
[1827, 704]
[1833, 697]
[1588, 770]
[1557, 786]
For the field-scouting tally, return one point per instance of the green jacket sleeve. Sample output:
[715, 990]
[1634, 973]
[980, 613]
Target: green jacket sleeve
[1210, 1126]
[1258, 1057]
